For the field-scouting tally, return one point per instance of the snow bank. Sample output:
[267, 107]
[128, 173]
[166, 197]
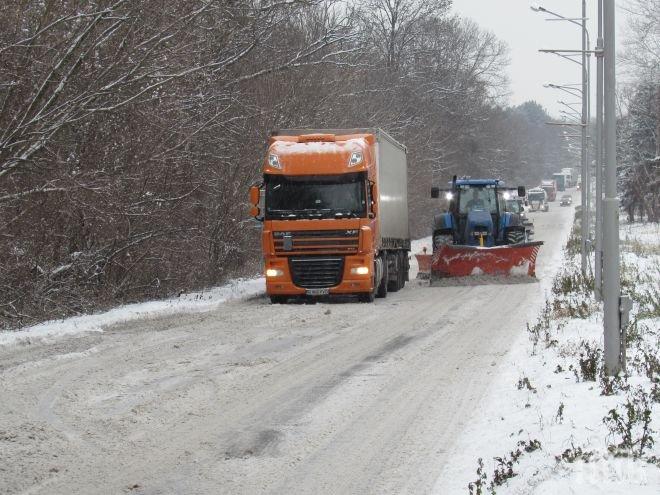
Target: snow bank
[541, 395]
[186, 303]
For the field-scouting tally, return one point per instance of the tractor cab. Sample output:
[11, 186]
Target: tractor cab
[478, 215]
[478, 234]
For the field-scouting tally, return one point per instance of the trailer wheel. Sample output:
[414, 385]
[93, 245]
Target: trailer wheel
[403, 256]
[395, 285]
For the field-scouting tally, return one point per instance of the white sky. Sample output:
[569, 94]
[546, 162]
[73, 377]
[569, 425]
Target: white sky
[526, 31]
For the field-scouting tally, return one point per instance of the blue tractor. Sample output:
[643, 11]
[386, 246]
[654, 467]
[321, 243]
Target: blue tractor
[478, 234]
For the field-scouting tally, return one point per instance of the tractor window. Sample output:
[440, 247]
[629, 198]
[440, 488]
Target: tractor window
[478, 198]
[513, 205]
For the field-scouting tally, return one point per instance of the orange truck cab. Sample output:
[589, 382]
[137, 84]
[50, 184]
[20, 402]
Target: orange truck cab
[334, 207]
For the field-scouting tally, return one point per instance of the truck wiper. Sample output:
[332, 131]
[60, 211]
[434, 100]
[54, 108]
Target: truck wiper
[284, 213]
[316, 212]
[349, 214]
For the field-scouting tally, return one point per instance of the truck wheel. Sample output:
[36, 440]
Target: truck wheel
[403, 273]
[395, 285]
[367, 297]
[278, 299]
[382, 287]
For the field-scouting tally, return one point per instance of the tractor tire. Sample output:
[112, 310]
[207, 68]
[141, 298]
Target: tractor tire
[515, 236]
[442, 239]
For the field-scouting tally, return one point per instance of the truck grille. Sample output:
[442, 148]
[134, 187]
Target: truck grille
[316, 241]
[317, 272]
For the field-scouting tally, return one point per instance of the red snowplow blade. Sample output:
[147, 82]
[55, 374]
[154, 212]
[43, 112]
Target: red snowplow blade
[464, 261]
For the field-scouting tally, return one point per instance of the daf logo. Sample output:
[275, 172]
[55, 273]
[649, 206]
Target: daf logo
[287, 245]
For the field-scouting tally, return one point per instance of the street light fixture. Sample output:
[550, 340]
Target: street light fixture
[583, 94]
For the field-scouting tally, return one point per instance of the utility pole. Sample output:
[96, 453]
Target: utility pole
[611, 282]
[598, 252]
[584, 157]
[585, 231]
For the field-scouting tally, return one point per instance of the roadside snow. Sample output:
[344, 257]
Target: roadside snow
[196, 302]
[541, 395]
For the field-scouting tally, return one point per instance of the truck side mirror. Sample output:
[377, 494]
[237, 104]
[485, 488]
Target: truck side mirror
[373, 194]
[521, 191]
[435, 192]
[255, 196]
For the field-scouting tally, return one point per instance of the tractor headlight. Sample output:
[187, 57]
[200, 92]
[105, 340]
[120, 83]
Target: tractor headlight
[360, 270]
[274, 272]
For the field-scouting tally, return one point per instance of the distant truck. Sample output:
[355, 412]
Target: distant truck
[550, 188]
[561, 181]
[570, 177]
[335, 214]
[537, 199]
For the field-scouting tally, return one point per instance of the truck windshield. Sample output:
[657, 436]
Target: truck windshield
[318, 196]
[477, 198]
[536, 197]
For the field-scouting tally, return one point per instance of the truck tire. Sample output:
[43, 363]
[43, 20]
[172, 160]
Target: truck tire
[395, 271]
[382, 287]
[278, 299]
[367, 297]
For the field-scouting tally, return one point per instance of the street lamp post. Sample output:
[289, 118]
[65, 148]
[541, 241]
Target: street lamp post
[584, 93]
[612, 300]
[585, 167]
[598, 251]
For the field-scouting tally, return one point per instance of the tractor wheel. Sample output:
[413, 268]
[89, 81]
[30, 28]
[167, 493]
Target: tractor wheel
[515, 236]
[442, 239]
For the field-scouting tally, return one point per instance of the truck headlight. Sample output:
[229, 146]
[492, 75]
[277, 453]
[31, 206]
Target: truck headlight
[274, 161]
[360, 270]
[274, 272]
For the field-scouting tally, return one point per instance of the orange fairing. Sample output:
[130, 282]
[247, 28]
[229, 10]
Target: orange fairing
[319, 154]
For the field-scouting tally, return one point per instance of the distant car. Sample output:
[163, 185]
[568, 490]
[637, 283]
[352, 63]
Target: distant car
[566, 200]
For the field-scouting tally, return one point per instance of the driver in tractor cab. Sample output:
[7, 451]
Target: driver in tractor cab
[476, 203]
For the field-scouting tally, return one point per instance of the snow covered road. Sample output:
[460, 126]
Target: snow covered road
[255, 398]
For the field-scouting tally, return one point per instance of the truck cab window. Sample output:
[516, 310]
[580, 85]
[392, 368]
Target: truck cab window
[316, 196]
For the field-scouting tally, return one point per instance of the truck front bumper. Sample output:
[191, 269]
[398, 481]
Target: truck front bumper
[280, 280]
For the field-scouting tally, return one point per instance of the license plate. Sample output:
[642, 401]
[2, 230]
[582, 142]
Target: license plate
[317, 292]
